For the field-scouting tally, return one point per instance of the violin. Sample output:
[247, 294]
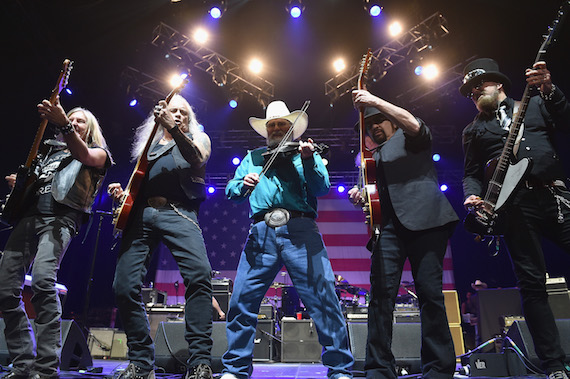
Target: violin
[289, 149]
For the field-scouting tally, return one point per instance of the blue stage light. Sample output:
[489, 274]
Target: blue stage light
[133, 103]
[233, 103]
[375, 10]
[215, 12]
[443, 187]
[436, 157]
[341, 188]
[418, 70]
[211, 189]
[69, 91]
[295, 12]
[236, 161]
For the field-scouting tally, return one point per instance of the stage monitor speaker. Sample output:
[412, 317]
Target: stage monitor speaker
[520, 335]
[171, 348]
[496, 365]
[100, 341]
[75, 354]
[406, 345]
[263, 350]
[300, 342]
[493, 305]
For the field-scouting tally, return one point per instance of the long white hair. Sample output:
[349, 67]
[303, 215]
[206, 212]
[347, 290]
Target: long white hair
[143, 130]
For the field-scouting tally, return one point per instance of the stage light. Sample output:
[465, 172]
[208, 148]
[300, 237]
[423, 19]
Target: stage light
[211, 189]
[177, 79]
[339, 65]
[69, 91]
[418, 70]
[236, 161]
[295, 8]
[373, 7]
[436, 157]
[430, 72]
[341, 188]
[255, 66]
[217, 8]
[443, 187]
[233, 103]
[201, 36]
[133, 103]
[395, 28]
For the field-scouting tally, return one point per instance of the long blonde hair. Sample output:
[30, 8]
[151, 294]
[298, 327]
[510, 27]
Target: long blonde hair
[143, 130]
[94, 135]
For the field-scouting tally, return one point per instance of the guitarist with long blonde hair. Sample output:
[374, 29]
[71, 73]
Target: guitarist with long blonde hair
[69, 176]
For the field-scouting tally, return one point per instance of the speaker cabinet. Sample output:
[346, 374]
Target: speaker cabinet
[300, 342]
[100, 341]
[171, 349]
[263, 349]
[493, 305]
[406, 344]
[520, 335]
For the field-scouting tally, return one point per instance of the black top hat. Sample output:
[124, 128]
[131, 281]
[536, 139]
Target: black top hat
[482, 69]
[369, 112]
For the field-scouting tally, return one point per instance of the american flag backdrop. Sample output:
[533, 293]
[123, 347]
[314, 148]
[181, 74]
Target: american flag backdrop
[225, 226]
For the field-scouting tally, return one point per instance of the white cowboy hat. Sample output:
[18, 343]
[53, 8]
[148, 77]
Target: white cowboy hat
[278, 109]
[478, 284]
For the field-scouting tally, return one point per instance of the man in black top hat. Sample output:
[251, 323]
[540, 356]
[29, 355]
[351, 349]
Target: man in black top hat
[417, 221]
[540, 206]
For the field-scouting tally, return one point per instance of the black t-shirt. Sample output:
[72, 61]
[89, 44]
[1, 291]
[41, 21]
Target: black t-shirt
[44, 203]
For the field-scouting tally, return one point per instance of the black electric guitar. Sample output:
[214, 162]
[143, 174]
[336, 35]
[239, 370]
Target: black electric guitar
[507, 175]
[16, 202]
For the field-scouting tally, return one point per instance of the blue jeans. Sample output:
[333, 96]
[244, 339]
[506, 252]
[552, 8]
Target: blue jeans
[184, 240]
[531, 216]
[297, 245]
[42, 240]
[425, 251]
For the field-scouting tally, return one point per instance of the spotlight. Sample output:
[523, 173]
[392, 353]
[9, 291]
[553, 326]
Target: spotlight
[395, 29]
[211, 189]
[69, 91]
[255, 66]
[430, 72]
[177, 79]
[236, 161]
[201, 36]
[133, 103]
[217, 8]
[436, 157]
[339, 65]
[341, 188]
[295, 8]
[443, 188]
[373, 7]
[233, 103]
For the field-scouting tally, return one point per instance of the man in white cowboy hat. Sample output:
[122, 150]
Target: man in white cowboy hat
[283, 206]
[417, 221]
[540, 205]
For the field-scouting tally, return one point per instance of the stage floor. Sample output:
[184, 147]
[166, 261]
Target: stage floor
[110, 368]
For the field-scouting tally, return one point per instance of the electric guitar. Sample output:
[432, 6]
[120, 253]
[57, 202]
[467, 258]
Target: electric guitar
[16, 202]
[367, 174]
[507, 175]
[122, 212]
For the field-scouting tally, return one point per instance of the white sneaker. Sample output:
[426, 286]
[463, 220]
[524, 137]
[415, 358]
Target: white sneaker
[227, 375]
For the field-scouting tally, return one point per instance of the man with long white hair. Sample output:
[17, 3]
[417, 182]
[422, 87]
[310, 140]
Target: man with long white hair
[69, 176]
[166, 209]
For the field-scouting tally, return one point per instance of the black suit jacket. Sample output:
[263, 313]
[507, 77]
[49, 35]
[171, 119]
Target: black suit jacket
[407, 179]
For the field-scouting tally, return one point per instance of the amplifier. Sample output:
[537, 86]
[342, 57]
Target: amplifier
[153, 296]
[222, 285]
[300, 342]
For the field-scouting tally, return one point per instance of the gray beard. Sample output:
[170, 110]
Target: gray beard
[488, 104]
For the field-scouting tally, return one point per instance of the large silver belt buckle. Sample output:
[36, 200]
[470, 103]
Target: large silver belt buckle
[277, 217]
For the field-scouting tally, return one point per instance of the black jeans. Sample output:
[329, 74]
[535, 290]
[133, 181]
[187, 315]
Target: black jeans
[184, 240]
[533, 214]
[425, 251]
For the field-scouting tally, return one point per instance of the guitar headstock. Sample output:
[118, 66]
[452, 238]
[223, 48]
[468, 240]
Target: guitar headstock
[364, 65]
[554, 28]
[182, 81]
[63, 76]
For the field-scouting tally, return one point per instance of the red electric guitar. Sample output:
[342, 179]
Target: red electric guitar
[17, 201]
[367, 173]
[122, 212]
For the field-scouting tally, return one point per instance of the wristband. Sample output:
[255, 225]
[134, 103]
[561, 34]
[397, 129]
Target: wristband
[548, 97]
[67, 129]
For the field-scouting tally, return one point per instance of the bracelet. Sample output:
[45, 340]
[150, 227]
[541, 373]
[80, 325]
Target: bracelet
[67, 129]
[548, 97]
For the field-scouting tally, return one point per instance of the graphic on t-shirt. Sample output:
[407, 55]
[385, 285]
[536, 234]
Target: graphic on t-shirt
[48, 170]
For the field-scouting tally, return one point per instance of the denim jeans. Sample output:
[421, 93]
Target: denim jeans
[425, 251]
[184, 240]
[41, 240]
[299, 246]
[533, 214]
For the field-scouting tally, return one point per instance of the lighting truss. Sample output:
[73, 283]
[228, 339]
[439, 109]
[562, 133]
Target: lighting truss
[446, 85]
[417, 39]
[149, 89]
[216, 65]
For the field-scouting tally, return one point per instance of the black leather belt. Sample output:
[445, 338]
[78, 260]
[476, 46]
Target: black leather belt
[532, 183]
[293, 214]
